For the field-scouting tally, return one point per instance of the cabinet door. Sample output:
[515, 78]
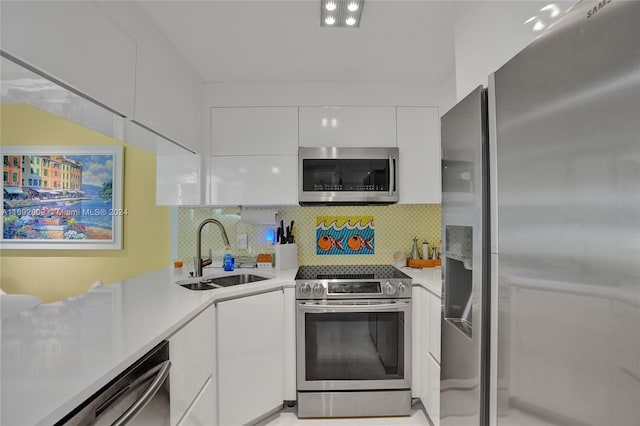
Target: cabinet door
[420, 339]
[192, 354]
[254, 131]
[177, 170]
[363, 126]
[290, 344]
[202, 410]
[76, 43]
[250, 342]
[433, 391]
[435, 311]
[166, 97]
[254, 180]
[419, 145]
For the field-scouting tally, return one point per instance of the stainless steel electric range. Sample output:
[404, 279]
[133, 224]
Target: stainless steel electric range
[353, 341]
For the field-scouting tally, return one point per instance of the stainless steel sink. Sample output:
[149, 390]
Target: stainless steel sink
[229, 280]
[224, 281]
[198, 286]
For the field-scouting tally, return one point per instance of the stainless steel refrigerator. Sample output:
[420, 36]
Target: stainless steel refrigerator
[541, 248]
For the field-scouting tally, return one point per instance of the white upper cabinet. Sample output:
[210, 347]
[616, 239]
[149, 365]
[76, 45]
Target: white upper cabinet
[419, 145]
[254, 131]
[169, 94]
[77, 44]
[165, 101]
[254, 180]
[362, 126]
[178, 177]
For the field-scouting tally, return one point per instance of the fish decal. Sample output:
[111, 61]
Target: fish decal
[356, 242]
[327, 242]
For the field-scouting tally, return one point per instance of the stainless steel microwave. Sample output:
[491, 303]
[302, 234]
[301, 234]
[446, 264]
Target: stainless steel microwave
[347, 176]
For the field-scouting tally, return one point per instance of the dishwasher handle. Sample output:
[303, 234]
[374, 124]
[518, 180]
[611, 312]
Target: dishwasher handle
[147, 396]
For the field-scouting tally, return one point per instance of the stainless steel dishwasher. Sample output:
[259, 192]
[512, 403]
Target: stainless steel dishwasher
[138, 396]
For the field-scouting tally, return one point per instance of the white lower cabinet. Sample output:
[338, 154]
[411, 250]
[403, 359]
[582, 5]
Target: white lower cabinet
[202, 410]
[290, 391]
[434, 315]
[432, 400]
[426, 352]
[250, 357]
[192, 354]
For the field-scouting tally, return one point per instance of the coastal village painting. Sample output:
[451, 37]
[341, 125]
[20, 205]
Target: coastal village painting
[61, 198]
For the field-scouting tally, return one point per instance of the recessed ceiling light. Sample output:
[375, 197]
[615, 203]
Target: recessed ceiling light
[341, 13]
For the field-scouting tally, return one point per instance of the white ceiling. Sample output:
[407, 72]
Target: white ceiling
[266, 40]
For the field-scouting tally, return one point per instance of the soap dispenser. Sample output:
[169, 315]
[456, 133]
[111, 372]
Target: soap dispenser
[228, 262]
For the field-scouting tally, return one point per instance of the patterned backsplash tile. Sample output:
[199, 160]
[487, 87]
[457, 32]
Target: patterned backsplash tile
[395, 228]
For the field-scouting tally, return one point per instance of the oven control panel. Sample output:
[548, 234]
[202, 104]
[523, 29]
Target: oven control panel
[338, 289]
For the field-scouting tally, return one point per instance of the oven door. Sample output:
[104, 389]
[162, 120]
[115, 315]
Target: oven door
[353, 344]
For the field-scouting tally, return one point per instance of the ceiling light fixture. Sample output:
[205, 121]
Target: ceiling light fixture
[341, 13]
[554, 10]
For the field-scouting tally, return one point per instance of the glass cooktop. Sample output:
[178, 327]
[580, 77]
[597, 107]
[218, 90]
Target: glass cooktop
[349, 272]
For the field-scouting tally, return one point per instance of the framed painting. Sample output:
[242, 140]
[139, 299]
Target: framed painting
[62, 197]
[342, 235]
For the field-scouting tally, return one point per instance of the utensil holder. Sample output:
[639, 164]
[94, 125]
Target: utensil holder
[286, 256]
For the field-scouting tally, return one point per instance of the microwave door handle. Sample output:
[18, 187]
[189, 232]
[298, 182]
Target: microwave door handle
[147, 396]
[392, 175]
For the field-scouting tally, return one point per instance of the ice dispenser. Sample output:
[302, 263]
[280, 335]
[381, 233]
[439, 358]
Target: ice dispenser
[458, 292]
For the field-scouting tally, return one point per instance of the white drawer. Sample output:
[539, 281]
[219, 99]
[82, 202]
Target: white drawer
[186, 385]
[190, 340]
[202, 410]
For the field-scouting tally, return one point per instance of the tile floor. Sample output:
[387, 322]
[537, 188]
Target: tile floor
[287, 417]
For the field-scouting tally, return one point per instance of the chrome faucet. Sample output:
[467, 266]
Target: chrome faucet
[200, 262]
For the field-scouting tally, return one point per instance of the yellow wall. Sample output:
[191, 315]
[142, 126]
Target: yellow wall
[57, 274]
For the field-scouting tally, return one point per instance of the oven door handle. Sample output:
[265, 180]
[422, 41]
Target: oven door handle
[396, 306]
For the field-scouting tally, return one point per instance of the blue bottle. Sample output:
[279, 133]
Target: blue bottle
[228, 263]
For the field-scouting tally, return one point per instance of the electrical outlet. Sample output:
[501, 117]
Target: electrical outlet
[241, 240]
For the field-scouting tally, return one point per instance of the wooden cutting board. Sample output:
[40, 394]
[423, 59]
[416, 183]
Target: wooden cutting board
[423, 263]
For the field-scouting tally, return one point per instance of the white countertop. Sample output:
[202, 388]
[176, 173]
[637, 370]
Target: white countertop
[57, 355]
[429, 278]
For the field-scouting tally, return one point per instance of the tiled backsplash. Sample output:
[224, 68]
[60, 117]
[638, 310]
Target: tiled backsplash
[395, 228]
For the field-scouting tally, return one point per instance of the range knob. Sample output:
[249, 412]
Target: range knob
[318, 289]
[305, 289]
[389, 288]
[402, 288]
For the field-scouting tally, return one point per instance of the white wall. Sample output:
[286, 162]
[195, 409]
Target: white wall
[492, 32]
[323, 93]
